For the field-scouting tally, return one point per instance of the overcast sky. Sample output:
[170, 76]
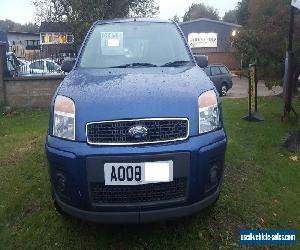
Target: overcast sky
[22, 11]
[168, 8]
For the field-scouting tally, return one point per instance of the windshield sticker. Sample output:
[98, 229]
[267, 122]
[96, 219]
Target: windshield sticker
[112, 43]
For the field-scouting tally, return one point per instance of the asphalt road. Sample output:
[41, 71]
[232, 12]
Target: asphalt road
[240, 89]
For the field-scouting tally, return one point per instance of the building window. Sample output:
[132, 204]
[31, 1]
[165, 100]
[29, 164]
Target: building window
[70, 38]
[32, 44]
[57, 38]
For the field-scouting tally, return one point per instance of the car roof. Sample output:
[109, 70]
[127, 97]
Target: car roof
[200, 56]
[42, 60]
[134, 19]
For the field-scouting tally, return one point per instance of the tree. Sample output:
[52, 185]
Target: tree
[176, 18]
[230, 16]
[8, 25]
[242, 12]
[201, 11]
[263, 39]
[81, 14]
[142, 8]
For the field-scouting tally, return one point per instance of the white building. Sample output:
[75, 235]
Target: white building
[24, 44]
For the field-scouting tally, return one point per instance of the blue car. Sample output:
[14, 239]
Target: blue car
[136, 132]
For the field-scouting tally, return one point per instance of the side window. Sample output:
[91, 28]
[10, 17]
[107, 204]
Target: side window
[37, 65]
[51, 66]
[207, 71]
[215, 71]
[224, 70]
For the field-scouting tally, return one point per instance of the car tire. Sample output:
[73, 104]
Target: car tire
[224, 89]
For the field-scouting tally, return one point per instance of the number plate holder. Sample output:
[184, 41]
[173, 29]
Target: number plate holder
[130, 174]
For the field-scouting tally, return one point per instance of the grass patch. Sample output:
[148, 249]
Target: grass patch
[261, 190]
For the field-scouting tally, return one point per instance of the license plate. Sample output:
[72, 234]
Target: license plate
[130, 174]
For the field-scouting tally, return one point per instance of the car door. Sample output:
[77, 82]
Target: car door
[225, 74]
[216, 77]
[207, 71]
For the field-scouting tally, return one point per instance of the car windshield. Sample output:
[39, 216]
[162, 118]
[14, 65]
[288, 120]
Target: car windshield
[135, 44]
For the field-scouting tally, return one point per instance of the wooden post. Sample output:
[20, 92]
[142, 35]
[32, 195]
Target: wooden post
[253, 114]
[3, 98]
[241, 73]
[289, 71]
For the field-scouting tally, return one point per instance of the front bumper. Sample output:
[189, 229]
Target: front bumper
[82, 164]
[138, 216]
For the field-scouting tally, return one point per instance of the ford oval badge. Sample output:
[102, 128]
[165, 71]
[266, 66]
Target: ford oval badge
[138, 131]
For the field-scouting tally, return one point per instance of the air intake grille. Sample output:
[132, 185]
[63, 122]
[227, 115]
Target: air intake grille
[139, 194]
[118, 132]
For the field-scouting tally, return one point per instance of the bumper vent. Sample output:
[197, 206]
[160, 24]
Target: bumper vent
[157, 192]
[151, 131]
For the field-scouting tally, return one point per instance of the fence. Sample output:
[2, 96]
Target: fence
[35, 65]
[28, 84]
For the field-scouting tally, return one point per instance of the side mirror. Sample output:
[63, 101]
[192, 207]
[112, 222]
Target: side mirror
[67, 65]
[202, 61]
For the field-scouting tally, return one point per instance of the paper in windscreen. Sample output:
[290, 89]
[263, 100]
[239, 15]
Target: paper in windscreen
[112, 43]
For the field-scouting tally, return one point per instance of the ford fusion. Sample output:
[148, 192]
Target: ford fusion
[136, 132]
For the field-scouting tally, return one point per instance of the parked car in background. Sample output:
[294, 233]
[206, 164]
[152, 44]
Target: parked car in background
[136, 131]
[41, 66]
[13, 64]
[220, 76]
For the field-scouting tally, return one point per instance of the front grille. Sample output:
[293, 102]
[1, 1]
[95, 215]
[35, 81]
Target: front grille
[117, 132]
[167, 191]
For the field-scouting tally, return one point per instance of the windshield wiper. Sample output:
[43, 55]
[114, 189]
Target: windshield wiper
[176, 63]
[135, 65]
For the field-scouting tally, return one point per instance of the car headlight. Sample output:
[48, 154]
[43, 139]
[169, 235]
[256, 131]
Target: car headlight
[208, 112]
[64, 118]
